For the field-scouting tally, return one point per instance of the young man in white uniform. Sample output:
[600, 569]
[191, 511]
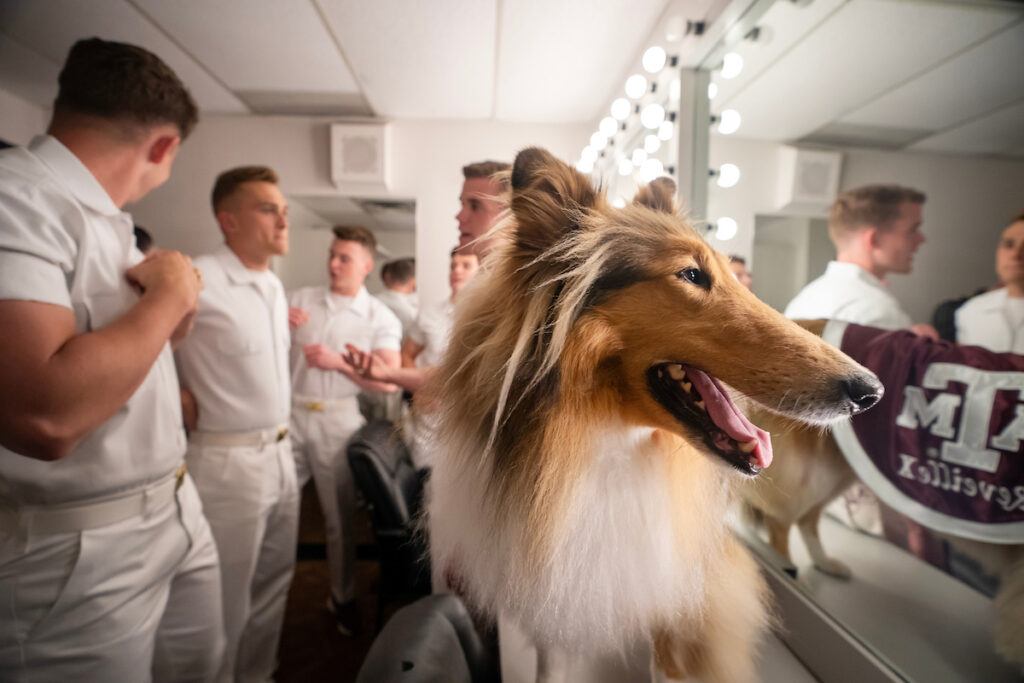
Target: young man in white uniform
[108, 571]
[325, 411]
[399, 293]
[995, 319]
[237, 398]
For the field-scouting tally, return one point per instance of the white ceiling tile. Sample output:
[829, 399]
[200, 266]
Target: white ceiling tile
[257, 45]
[1001, 133]
[558, 60]
[864, 49]
[420, 60]
[983, 78]
[50, 27]
[26, 73]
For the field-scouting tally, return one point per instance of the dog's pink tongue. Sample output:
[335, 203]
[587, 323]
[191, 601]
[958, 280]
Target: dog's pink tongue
[729, 419]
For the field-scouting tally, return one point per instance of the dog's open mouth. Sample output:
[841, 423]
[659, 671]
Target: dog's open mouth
[698, 401]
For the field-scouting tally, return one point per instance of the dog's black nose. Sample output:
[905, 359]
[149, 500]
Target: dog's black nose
[862, 392]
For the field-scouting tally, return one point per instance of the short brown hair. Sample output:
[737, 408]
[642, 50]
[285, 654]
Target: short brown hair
[398, 271]
[229, 181]
[871, 205]
[488, 169]
[356, 233]
[122, 82]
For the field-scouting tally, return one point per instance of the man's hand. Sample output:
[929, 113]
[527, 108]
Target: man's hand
[925, 330]
[168, 274]
[189, 410]
[297, 317]
[366, 364]
[325, 358]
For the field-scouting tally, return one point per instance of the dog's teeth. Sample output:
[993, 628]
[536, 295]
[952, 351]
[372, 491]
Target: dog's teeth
[676, 372]
[699, 404]
[748, 446]
[686, 386]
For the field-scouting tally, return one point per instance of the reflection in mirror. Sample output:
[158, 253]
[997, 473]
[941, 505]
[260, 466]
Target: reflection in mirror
[823, 97]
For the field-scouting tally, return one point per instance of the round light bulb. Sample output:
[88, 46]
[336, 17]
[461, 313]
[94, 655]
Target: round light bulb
[725, 229]
[729, 122]
[651, 144]
[654, 59]
[625, 167]
[621, 108]
[584, 166]
[728, 175]
[732, 65]
[636, 86]
[665, 130]
[639, 157]
[652, 115]
[619, 202]
[608, 127]
[598, 141]
[588, 155]
[651, 169]
[712, 90]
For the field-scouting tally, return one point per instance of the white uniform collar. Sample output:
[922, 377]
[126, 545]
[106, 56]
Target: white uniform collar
[993, 301]
[360, 303]
[78, 179]
[844, 269]
[234, 268]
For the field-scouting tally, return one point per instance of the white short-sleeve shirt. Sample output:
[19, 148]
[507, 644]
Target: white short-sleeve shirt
[992, 320]
[432, 329]
[404, 306]
[334, 321]
[235, 361]
[63, 241]
[849, 293]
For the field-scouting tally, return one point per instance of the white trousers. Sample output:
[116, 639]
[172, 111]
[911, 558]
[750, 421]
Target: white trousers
[319, 439]
[251, 500]
[137, 600]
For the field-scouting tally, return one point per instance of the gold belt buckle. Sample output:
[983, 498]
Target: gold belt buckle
[282, 433]
[179, 476]
[314, 406]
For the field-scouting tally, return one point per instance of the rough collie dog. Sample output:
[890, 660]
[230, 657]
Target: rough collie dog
[589, 441]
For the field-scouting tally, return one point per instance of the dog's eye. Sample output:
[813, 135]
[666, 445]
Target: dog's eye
[695, 276]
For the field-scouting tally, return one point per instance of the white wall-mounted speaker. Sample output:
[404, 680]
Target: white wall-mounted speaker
[808, 180]
[359, 153]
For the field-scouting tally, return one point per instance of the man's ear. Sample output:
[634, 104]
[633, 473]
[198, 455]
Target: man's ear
[549, 199]
[161, 147]
[226, 221]
[869, 236]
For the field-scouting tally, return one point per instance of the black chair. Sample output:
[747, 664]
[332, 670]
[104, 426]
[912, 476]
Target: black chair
[429, 641]
[393, 490]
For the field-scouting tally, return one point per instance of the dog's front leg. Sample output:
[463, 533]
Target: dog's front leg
[551, 665]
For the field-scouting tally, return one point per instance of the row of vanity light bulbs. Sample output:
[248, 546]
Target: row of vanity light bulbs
[655, 119]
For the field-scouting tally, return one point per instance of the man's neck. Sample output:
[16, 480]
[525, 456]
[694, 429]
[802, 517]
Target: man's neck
[862, 261]
[1015, 290]
[249, 261]
[346, 291]
[110, 162]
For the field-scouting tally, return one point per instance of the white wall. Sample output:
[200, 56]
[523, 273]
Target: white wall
[427, 158]
[970, 201]
[20, 120]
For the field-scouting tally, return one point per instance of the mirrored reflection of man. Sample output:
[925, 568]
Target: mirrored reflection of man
[399, 277]
[108, 570]
[480, 206]
[995, 319]
[234, 373]
[738, 266]
[325, 410]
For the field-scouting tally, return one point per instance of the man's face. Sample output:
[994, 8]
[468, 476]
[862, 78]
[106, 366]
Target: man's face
[348, 265]
[742, 274]
[478, 213]
[894, 248]
[255, 220]
[1010, 255]
[461, 270]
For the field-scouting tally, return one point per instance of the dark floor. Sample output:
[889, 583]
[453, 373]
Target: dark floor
[312, 650]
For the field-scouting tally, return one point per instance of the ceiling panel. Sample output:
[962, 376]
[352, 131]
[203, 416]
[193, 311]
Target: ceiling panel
[26, 73]
[260, 45]
[986, 77]
[865, 48]
[557, 60]
[50, 27]
[1000, 133]
[420, 60]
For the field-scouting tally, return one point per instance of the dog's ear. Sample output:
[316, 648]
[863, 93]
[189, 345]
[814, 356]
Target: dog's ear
[549, 198]
[658, 195]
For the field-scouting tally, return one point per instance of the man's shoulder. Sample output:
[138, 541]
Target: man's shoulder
[381, 313]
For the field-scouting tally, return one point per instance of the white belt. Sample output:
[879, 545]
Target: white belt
[59, 519]
[259, 437]
[323, 405]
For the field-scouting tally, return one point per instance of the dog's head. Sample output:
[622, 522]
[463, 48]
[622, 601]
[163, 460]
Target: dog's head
[631, 309]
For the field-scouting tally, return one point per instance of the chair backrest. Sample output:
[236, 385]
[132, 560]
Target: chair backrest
[432, 639]
[384, 472]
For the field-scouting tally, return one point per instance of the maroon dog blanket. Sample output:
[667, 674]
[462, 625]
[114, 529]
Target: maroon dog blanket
[944, 445]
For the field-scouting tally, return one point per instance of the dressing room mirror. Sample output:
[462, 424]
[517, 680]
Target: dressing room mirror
[828, 95]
